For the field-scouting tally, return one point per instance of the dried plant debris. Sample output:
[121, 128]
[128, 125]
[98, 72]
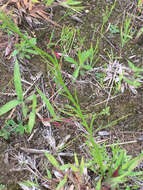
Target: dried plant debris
[124, 77]
[33, 12]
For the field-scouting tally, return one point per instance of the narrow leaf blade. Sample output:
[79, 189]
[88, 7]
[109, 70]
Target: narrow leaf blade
[17, 81]
[48, 104]
[8, 106]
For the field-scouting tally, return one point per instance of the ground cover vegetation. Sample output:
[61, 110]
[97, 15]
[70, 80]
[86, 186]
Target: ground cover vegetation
[71, 94]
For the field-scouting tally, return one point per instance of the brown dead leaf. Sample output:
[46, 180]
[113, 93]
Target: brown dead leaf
[27, 8]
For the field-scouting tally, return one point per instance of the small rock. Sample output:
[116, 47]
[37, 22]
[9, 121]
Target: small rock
[103, 133]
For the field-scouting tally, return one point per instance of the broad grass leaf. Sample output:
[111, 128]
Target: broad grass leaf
[8, 106]
[76, 72]
[31, 51]
[17, 82]
[48, 104]
[132, 164]
[24, 110]
[64, 167]
[52, 160]
[87, 67]
[70, 60]
[98, 186]
[31, 122]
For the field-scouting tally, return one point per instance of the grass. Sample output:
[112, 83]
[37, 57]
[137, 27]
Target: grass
[109, 165]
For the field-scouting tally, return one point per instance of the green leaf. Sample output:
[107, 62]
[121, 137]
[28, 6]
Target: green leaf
[76, 72]
[29, 184]
[52, 160]
[29, 98]
[49, 2]
[31, 51]
[8, 106]
[114, 29]
[87, 67]
[32, 115]
[62, 183]
[15, 52]
[134, 68]
[34, 103]
[70, 2]
[64, 167]
[82, 165]
[76, 160]
[35, 1]
[74, 168]
[134, 83]
[132, 164]
[33, 41]
[31, 122]
[49, 175]
[17, 82]
[84, 56]
[98, 186]
[24, 110]
[70, 60]
[48, 104]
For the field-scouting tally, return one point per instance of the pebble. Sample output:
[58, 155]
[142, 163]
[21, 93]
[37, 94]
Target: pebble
[86, 11]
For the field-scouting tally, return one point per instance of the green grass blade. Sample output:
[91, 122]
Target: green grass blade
[76, 159]
[82, 165]
[62, 183]
[48, 104]
[32, 115]
[17, 82]
[52, 160]
[132, 164]
[8, 106]
[31, 122]
[98, 185]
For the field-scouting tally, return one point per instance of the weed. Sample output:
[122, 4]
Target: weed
[118, 168]
[106, 16]
[82, 63]
[28, 185]
[67, 37]
[114, 29]
[23, 49]
[113, 169]
[11, 127]
[126, 32]
[20, 101]
[110, 169]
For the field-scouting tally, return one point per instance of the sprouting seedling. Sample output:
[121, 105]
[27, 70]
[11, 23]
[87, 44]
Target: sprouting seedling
[81, 64]
[126, 31]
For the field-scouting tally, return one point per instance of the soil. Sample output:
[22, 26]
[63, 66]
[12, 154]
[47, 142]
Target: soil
[125, 107]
